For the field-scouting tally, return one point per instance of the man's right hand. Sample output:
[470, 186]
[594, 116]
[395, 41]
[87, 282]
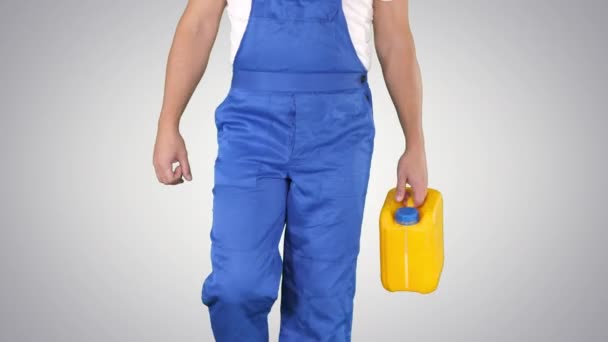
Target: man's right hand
[188, 58]
[168, 149]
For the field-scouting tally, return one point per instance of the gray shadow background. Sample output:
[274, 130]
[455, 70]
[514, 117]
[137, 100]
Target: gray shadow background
[92, 248]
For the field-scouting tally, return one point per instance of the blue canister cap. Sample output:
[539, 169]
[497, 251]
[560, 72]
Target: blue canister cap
[407, 216]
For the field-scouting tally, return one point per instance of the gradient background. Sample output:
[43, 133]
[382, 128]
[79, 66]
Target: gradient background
[93, 248]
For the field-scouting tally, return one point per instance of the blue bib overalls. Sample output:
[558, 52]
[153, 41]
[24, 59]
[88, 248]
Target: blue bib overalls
[295, 139]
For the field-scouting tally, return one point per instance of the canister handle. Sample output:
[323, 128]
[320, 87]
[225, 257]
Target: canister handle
[410, 199]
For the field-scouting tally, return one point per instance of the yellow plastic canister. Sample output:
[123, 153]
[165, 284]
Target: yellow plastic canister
[411, 253]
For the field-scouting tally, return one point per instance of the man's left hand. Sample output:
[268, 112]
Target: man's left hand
[412, 170]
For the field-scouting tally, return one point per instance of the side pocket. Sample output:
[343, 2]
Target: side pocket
[370, 103]
[218, 114]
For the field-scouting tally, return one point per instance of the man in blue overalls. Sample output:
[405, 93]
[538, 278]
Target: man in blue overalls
[295, 139]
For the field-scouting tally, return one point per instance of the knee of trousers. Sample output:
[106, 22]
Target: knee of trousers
[244, 280]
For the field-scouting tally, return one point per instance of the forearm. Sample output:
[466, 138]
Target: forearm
[402, 76]
[188, 58]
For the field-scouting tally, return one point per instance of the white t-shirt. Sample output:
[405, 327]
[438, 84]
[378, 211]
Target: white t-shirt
[358, 13]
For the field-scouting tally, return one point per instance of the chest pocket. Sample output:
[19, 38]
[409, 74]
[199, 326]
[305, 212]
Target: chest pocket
[306, 10]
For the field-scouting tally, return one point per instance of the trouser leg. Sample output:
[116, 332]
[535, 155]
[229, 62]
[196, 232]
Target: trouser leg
[249, 203]
[246, 263]
[325, 204]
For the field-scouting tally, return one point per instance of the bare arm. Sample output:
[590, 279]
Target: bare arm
[188, 58]
[189, 55]
[397, 55]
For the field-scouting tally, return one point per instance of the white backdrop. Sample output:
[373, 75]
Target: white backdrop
[92, 248]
